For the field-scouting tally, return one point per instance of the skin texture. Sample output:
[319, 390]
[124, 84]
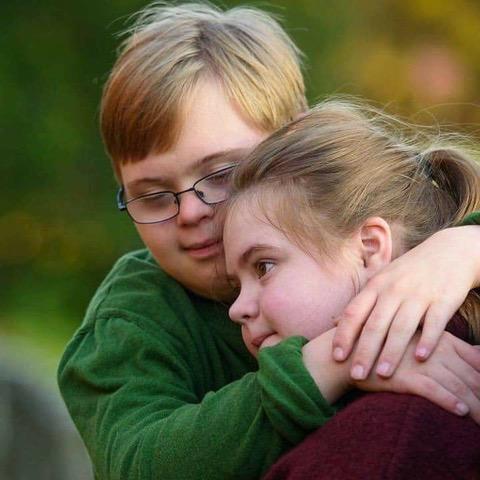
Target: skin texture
[266, 264]
[212, 125]
[387, 312]
[183, 246]
[284, 290]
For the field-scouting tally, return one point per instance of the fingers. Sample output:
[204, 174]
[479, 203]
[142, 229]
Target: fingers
[437, 393]
[399, 335]
[436, 318]
[469, 353]
[469, 377]
[351, 321]
[460, 374]
[371, 339]
[465, 393]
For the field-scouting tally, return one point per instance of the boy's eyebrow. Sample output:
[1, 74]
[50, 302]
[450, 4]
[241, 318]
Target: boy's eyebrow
[145, 182]
[233, 154]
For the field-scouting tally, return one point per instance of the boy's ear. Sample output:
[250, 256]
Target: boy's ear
[375, 237]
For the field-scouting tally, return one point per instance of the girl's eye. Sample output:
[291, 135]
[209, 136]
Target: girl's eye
[263, 267]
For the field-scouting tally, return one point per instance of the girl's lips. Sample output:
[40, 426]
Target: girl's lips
[257, 342]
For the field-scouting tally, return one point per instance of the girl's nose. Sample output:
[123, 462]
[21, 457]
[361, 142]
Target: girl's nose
[243, 309]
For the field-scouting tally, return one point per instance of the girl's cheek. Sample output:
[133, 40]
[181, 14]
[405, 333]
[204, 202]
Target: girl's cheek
[275, 306]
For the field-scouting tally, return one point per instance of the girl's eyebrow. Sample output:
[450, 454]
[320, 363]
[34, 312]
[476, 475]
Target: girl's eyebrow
[245, 256]
[255, 249]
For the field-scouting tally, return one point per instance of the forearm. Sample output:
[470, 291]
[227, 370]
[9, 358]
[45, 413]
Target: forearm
[331, 377]
[470, 235]
[138, 428]
[476, 251]
[227, 434]
[472, 224]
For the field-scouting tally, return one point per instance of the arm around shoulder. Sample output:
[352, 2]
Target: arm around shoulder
[151, 398]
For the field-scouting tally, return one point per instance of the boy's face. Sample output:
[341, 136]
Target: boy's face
[283, 290]
[189, 246]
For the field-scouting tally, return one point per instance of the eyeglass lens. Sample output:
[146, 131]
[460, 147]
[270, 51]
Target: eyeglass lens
[162, 206]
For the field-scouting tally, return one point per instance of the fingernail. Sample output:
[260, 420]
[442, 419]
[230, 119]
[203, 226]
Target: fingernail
[358, 372]
[421, 352]
[461, 408]
[384, 369]
[338, 353]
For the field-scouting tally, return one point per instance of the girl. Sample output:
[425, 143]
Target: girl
[321, 207]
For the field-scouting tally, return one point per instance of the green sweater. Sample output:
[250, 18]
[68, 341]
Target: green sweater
[160, 385]
[472, 219]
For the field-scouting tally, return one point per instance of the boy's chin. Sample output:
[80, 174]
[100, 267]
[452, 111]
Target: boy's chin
[217, 289]
[222, 291]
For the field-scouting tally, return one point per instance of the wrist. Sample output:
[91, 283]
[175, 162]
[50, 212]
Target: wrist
[473, 232]
[331, 377]
[476, 231]
[467, 235]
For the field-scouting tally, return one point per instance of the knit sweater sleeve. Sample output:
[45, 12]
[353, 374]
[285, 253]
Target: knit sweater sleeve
[471, 219]
[141, 396]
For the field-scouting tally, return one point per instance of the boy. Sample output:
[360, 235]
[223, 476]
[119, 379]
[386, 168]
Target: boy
[157, 378]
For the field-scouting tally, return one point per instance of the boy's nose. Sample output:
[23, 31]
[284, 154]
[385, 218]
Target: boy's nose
[192, 209]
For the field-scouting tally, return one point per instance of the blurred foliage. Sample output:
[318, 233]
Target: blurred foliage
[59, 229]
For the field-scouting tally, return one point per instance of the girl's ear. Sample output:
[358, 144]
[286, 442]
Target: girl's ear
[376, 246]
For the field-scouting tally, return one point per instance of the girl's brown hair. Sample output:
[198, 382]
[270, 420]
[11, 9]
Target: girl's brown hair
[343, 163]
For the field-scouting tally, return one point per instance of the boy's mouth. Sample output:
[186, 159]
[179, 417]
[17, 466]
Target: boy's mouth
[207, 249]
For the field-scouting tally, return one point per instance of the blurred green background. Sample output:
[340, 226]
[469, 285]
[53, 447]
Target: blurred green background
[59, 228]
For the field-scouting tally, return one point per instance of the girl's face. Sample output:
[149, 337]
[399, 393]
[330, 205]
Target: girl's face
[284, 291]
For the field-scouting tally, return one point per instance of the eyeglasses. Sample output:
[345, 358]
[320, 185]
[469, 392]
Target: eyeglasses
[159, 207]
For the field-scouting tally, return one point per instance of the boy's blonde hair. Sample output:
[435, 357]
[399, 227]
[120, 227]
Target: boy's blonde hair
[320, 177]
[170, 48]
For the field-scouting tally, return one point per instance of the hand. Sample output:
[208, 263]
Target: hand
[427, 284]
[450, 377]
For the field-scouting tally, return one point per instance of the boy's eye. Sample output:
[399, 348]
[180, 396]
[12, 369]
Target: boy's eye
[263, 267]
[160, 200]
[219, 177]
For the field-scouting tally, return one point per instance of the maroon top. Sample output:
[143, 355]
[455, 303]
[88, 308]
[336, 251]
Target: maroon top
[388, 436]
